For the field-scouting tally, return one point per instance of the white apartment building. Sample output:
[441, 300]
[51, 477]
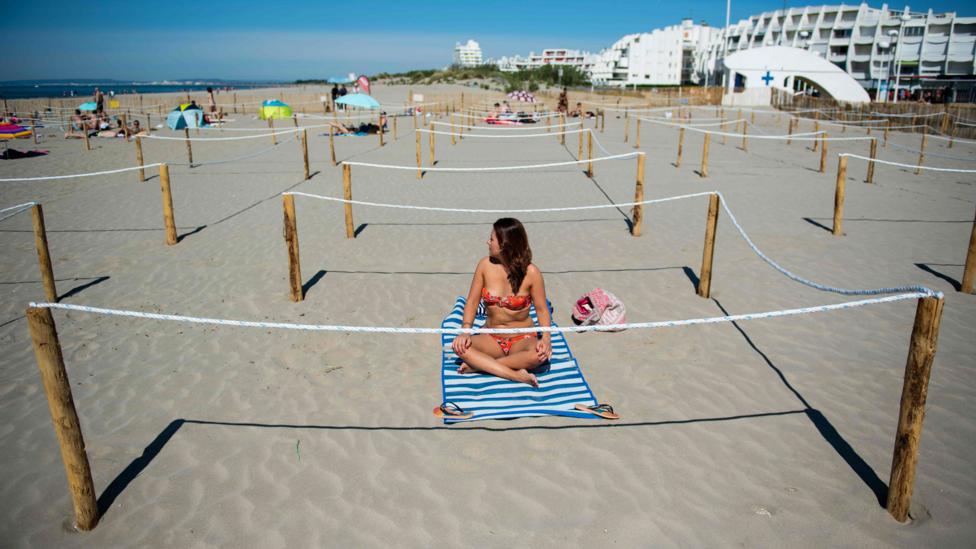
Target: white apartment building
[661, 57]
[467, 54]
[553, 56]
[872, 45]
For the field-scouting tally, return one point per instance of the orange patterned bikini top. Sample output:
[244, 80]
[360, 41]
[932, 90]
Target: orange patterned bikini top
[512, 302]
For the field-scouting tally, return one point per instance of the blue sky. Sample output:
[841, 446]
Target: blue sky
[292, 39]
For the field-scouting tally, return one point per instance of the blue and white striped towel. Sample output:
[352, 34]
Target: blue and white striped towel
[561, 383]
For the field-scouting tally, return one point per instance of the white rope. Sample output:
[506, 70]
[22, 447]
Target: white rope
[496, 136]
[16, 209]
[262, 135]
[930, 153]
[797, 136]
[480, 210]
[49, 177]
[509, 128]
[911, 166]
[953, 139]
[235, 158]
[529, 330]
[494, 168]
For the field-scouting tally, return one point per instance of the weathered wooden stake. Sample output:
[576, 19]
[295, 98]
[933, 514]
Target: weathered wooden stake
[430, 144]
[43, 254]
[839, 196]
[637, 140]
[395, 128]
[84, 131]
[823, 152]
[705, 280]
[168, 219]
[874, 154]
[579, 153]
[142, 171]
[274, 138]
[789, 138]
[589, 153]
[886, 130]
[291, 243]
[34, 131]
[332, 154]
[562, 129]
[745, 131]
[305, 153]
[970, 271]
[921, 354]
[681, 144]
[57, 388]
[704, 162]
[921, 150]
[379, 125]
[347, 194]
[189, 148]
[420, 172]
[638, 215]
[626, 128]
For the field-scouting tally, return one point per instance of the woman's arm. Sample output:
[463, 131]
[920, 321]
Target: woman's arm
[474, 295]
[538, 292]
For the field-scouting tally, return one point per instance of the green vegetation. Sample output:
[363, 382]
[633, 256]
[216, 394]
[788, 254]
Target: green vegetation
[491, 77]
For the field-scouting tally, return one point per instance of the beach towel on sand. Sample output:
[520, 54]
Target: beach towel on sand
[561, 383]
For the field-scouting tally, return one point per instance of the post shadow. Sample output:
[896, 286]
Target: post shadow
[823, 425]
[692, 277]
[123, 479]
[82, 287]
[952, 281]
[359, 229]
[312, 281]
[815, 223]
[191, 233]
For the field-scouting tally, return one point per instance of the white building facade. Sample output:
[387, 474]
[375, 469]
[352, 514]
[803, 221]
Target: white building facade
[553, 56]
[467, 54]
[875, 46]
[661, 57]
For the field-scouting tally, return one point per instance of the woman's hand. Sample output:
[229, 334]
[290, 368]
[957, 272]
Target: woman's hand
[461, 344]
[543, 347]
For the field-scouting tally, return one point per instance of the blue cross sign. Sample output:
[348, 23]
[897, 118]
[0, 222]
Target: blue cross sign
[768, 78]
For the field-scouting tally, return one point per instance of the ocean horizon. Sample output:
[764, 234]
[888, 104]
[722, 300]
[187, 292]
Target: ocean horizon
[56, 89]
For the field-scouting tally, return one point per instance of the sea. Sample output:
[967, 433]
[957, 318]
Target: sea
[27, 89]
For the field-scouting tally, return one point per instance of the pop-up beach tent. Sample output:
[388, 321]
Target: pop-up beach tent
[186, 115]
[272, 108]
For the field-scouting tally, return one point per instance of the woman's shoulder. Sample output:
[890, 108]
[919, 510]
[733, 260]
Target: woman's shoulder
[533, 271]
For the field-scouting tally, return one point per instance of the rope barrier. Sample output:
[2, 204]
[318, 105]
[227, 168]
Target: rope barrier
[16, 209]
[911, 166]
[508, 128]
[529, 330]
[494, 168]
[107, 172]
[262, 135]
[495, 136]
[949, 156]
[234, 159]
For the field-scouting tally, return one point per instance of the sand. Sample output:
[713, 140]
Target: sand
[764, 433]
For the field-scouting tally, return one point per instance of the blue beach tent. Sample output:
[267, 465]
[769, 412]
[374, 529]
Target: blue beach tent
[185, 116]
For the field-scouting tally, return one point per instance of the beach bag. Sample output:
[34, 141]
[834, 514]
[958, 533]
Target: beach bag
[600, 308]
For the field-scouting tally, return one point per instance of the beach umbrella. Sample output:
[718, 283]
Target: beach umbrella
[272, 108]
[339, 80]
[88, 106]
[358, 100]
[13, 131]
[186, 115]
[522, 95]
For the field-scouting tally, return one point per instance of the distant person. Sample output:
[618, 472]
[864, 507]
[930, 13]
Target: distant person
[99, 98]
[335, 94]
[111, 93]
[343, 91]
[563, 105]
[211, 101]
[355, 87]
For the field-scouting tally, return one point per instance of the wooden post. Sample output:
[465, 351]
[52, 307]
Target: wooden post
[704, 162]
[789, 138]
[603, 120]
[347, 194]
[952, 136]
[638, 216]
[57, 388]
[430, 143]
[379, 125]
[579, 154]
[332, 145]
[886, 130]
[453, 141]
[168, 219]
[142, 171]
[839, 196]
[395, 128]
[305, 153]
[34, 130]
[823, 152]
[420, 172]
[970, 271]
[681, 144]
[705, 280]
[274, 139]
[43, 254]
[589, 153]
[874, 154]
[562, 129]
[291, 243]
[745, 131]
[626, 128]
[84, 131]
[637, 140]
[294, 118]
[816, 128]
[189, 148]
[921, 150]
[921, 354]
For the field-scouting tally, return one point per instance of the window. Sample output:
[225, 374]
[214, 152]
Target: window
[842, 33]
[914, 31]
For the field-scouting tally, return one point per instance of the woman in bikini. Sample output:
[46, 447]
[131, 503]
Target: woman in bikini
[508, 283]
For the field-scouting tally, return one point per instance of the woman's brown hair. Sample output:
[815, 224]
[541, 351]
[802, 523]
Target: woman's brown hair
[515, 253]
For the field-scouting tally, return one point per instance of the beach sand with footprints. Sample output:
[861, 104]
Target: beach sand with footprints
[756, 433]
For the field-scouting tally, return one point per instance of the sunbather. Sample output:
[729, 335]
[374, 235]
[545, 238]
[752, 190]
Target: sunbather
[508, 266]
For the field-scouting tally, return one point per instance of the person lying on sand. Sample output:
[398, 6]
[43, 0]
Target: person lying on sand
[508, 267]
